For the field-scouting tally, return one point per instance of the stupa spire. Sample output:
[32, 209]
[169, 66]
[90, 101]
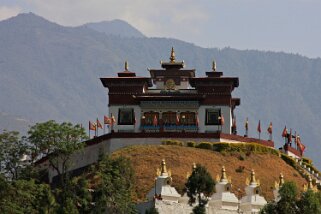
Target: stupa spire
[163, 168]
[223, 174]
[172, 58]
[253, 180]
[281, 180]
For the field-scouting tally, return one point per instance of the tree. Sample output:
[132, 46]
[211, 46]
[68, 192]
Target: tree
[57, 142]
[115, 186]
[12, 150]
[199, 185]
[309, 203]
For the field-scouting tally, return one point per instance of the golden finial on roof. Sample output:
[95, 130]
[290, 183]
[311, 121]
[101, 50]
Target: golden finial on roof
[172, 58]
[126, 66]
[253, 180]
[281, 180]
[223, 175]
[214, 65]
[163, 169]
[310, 185]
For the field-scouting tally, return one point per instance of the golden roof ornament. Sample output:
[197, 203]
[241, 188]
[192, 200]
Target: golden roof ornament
[163, 169]
[214, 65]
[253, 180]
[126, 66]
[223, 175]
[172, 58]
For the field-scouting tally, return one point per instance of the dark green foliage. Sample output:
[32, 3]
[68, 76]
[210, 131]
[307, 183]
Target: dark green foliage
[289, 160]
[200, 182]
[290, 203]
[190, 144]
[113, 192]
[246, 148]
[307, 160]
[205, 145]
[172, 142]
[199, 209]
[12, 149]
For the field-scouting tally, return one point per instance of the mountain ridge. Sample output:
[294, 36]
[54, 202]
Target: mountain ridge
[50, 71]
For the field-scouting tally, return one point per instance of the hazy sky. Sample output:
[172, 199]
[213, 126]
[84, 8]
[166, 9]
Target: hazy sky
[292, 26]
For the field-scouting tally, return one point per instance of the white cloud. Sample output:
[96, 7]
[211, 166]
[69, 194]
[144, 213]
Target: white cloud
[7, 12]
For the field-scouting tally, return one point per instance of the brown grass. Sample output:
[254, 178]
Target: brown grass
[146, 159]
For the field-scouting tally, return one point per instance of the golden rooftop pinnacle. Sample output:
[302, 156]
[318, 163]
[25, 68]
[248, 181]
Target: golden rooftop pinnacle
[172, 58]
[126, 66]
[214, 65]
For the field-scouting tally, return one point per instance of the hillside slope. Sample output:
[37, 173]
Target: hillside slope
[146, 159]
[52, 72]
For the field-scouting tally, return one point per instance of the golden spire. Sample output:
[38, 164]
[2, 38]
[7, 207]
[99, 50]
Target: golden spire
[172, 58]
[214, 65]
[163, 169]
[223, 175]
[281, 180]
[310, 185]
[126, 66]
[253, 180]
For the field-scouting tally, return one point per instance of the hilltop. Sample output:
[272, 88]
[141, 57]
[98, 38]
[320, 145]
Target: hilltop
[146, 159]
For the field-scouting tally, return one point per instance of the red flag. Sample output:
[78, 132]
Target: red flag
[234, 123]
[177, 119]
[247, 124]
[222, 120]
[285, 132]
[155, 122]
[99, 124]
[197, 120]
[92, 126]
[301, 146]
[259, 127]
[270, 128]
[113, 120]
[107, 120]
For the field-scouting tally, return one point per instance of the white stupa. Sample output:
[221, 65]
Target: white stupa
[252, 202]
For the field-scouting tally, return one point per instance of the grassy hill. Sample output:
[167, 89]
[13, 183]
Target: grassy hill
[146, 159]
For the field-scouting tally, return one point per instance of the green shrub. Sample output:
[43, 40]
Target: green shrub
[246, 148]
[307, 160]
[190, 144]
[289, 160]
[242, 156]
[205, 145]
[172, 142]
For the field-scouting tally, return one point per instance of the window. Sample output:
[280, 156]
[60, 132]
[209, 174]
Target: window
[212, 116]
[126, 116]
[187, 118]
[169, 118]
[149, 118]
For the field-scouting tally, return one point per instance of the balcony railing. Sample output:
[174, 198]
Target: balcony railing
[169, 128]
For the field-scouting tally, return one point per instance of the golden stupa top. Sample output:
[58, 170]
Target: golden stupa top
[281, 180]
[172, 58]
[253, 180]
[163, 167]
[223, 174]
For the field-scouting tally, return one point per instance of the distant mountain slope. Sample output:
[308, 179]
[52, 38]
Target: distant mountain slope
[116, 28]
[14, 123]
[52, 72]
